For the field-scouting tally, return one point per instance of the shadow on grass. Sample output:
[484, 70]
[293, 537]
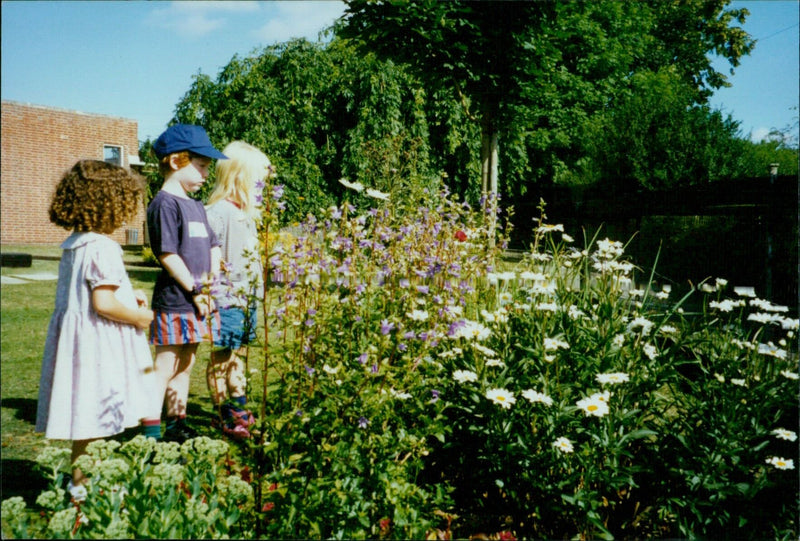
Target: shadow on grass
[143, 274]
[25, 408]
[21, 478]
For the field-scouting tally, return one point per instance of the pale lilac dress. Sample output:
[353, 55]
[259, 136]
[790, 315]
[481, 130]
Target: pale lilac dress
[97, 375]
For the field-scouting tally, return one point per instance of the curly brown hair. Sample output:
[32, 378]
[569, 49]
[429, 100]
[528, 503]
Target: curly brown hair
[96, 196]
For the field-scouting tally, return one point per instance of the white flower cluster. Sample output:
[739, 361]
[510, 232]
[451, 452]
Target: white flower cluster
[535, 396]
[609, 249]
[502, 397]
[612, 377]
[471, 330]
[595, 405]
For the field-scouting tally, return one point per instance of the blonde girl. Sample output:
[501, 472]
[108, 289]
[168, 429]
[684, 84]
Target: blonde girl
[233, 208]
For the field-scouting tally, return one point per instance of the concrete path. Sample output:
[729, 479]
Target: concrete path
[13, 279]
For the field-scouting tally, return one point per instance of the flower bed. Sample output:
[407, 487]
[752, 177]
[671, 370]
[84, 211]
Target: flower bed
[416, 389]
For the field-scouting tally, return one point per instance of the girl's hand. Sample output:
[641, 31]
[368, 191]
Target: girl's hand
[106, 304]
[143, 318]
[141, 297]
[204, 304]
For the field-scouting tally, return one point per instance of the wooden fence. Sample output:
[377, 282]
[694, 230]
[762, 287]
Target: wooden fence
[745, 231]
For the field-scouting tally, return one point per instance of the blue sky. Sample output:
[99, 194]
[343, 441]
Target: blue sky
[137, 59]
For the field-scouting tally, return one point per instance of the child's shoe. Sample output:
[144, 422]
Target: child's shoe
[244, 418]
[236, 432]
[179, 432]
[77, 493]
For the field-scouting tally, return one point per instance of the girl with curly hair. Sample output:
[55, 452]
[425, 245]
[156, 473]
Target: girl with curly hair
[97, 368]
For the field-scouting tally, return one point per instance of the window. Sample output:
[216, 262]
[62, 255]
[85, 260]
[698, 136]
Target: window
[112, 154]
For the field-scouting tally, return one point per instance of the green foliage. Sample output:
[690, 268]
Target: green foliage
[320, 114]
[416, 389]
[139, 489]
[656, 139]
[579, 94]
[543, 75]
[756, 158]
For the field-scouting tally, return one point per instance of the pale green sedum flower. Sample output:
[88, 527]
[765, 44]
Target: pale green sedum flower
[55, 459]
[166, 476]
[102, 449]
[51, 499]
[204, 448]
[235, 491]
[13, 507]
[119, 528]
[62, 523]
[138, 447]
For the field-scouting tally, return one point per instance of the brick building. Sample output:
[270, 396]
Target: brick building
[38, 145]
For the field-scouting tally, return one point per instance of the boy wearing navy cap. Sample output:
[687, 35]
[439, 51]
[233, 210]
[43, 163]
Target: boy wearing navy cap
[188, 251]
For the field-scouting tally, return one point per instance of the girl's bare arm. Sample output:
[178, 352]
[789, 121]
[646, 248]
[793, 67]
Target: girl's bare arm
[107, 305]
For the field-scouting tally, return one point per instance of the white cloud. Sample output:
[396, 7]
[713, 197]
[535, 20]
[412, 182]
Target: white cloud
[197, 19]
[759, 134]
[306, 19]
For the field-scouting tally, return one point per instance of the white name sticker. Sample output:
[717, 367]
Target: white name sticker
[197, 229]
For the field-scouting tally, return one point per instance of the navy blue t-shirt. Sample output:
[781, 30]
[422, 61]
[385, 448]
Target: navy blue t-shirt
[178, 226]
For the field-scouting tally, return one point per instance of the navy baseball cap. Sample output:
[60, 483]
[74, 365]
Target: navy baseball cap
[189, 137]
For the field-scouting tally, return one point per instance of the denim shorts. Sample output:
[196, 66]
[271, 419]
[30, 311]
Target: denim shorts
[237, 329]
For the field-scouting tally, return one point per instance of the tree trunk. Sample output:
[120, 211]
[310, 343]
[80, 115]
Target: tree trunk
[489, 162]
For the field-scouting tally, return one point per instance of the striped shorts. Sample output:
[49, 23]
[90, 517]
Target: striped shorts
[178, 328]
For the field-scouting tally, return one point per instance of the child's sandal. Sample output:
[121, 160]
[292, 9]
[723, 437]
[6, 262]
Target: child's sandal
[244, 418]
[237, 432]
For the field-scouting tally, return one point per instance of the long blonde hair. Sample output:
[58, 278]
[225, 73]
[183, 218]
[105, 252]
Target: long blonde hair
[237, 176]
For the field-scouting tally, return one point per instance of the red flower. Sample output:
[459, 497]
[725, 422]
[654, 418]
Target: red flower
[245, 474]
[269, 506]
[506, 536]
[460, 236]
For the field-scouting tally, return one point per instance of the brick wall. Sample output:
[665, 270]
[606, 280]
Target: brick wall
[38, 145]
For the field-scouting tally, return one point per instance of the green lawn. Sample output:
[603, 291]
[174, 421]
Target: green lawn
[25, 311]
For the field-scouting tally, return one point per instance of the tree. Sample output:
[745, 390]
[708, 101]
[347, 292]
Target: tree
[541, 72]
[657, 138]
[319, 112]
